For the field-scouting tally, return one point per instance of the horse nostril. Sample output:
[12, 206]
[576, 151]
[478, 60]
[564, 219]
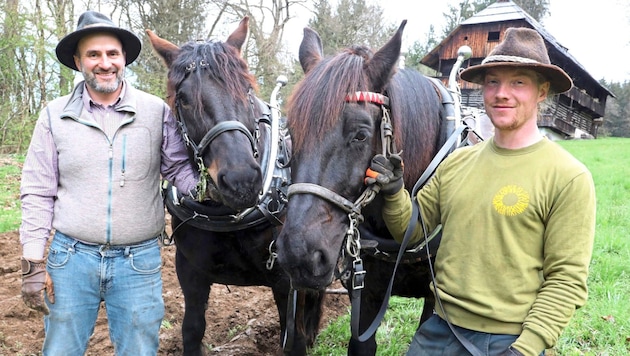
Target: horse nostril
[320, 261]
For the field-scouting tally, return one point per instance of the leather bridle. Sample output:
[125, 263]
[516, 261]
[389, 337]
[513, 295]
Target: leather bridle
[353, 209]
[218, 129]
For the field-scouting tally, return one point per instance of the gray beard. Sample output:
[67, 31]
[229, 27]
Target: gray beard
[107, 88]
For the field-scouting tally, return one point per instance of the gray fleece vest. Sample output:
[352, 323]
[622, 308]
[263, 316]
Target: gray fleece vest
[108, 189]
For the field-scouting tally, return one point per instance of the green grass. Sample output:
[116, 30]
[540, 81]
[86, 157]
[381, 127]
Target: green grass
[10, 170]
[601, 327]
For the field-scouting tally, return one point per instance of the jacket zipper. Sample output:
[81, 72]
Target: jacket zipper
[123, 161]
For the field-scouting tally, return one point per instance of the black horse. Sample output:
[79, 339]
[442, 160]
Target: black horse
[234, 142]
[338, 117]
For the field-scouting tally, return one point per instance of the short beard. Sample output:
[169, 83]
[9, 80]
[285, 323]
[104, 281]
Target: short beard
[106, 88]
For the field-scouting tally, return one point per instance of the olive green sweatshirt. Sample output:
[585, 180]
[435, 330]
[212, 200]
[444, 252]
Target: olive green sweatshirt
[518, 230]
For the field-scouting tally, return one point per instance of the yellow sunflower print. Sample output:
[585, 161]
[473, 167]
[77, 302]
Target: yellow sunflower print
[511, 200]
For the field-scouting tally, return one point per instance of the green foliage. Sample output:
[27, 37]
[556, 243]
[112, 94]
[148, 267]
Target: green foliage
[602, 326]
[418, 50]
[10, 172]
[176, 21]
[617, 117]
[19, 91]
[351, 22]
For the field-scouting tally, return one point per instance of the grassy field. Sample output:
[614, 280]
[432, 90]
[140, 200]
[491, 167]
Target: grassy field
[600, 328]
[10, 170]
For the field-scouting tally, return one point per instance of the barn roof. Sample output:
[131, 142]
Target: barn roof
[507, 10]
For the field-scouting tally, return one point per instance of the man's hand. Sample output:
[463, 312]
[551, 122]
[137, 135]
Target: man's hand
[387, 173]
[35, 280]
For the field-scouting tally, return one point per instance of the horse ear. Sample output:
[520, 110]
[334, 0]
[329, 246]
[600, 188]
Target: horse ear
[311, 49]
[237, 38]
[165, 49]
[382, 65]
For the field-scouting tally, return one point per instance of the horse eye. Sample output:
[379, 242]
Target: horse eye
[360, 137]
[182, 100]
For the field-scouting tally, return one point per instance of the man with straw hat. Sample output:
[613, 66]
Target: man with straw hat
[517, 214]
[92, 175]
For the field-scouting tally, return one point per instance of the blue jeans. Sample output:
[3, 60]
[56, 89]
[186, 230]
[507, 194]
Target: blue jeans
[128, 279]
[435, 338]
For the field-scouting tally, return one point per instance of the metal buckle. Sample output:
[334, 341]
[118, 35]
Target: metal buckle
[358, 275]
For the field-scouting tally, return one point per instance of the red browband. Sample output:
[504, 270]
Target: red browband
[368, 96]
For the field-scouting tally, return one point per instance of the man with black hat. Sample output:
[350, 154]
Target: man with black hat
[92, 174]
[517, 214]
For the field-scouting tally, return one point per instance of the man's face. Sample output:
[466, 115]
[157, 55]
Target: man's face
[511, 96]
[101, 59]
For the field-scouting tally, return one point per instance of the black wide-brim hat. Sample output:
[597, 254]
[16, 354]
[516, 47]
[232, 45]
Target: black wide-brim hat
[522, 48]
[95, 22]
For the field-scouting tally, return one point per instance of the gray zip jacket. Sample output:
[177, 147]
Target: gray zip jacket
[107, 191]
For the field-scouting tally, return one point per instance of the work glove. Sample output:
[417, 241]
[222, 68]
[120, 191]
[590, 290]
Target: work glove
[386, 173]
[35, 280]
[512, 352]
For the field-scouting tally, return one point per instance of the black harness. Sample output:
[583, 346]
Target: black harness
[211, 216]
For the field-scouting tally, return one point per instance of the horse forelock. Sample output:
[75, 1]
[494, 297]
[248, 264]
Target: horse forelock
[316, 104]
[215, 61]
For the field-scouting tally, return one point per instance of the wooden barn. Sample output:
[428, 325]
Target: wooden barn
[575, 114]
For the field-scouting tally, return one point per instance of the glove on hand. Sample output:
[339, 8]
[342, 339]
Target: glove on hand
[35, 280]
[386, 173]
[512, 352]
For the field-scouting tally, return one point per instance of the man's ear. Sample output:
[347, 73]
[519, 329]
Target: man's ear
[77, 62]
[543, 91]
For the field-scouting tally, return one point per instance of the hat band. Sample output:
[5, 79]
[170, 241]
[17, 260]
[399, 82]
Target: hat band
[97, 25]
[504, 58]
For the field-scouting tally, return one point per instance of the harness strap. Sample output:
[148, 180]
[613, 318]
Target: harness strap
[222, 127]
[322, 192]
[356, 297]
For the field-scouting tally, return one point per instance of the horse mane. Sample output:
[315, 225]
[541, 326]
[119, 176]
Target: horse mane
[318, 100]
[221, 62]
[416, 119]
[320, 96]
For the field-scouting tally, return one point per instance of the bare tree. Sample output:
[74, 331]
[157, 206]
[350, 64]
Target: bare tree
[351, 22]
[266, 52]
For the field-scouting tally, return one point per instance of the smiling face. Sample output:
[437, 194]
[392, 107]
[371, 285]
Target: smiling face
[511, 97]
[101, 59]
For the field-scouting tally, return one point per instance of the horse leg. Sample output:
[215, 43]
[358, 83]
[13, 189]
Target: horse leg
[196, 289]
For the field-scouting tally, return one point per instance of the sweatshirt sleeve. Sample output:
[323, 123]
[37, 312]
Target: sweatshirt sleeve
[568, 247]
[397, 211]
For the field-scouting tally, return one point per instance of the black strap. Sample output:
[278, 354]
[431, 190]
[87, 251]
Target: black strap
[289, 327]
[356, 295]
[417, 217]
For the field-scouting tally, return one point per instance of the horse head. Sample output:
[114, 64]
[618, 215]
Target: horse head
[212, 95]
[334, 118]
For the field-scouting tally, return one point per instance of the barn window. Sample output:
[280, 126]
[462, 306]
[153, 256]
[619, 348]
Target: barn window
[493, 35]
